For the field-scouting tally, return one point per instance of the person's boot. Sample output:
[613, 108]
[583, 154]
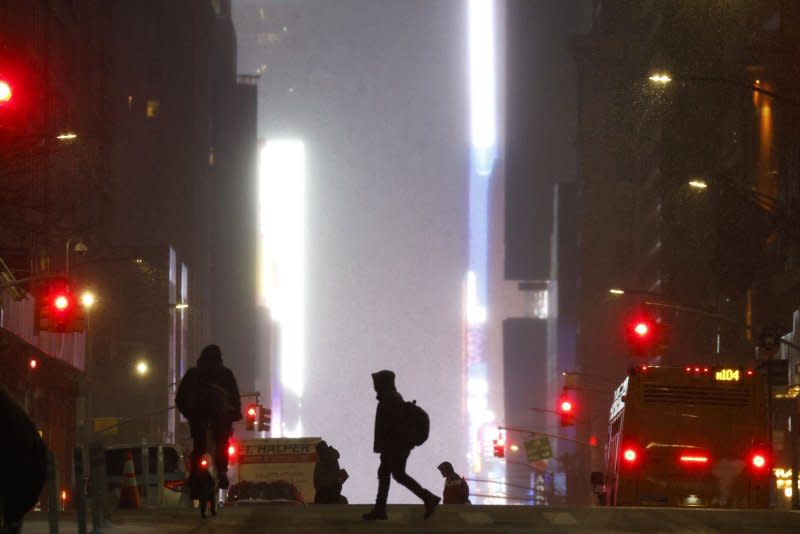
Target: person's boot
[431, 502]
[376, 513]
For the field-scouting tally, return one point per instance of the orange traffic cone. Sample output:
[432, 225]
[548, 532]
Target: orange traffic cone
[129, 493]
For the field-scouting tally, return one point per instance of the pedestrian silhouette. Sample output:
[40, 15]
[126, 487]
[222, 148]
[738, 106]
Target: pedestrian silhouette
[456, 489]
[208, 397]
[328, 476]
[23, 464]
[397, 430]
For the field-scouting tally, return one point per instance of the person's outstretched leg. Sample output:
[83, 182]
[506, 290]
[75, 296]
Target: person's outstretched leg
[384, 474]
[399, 473]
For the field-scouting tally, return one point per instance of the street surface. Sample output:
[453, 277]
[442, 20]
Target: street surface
[406, 518]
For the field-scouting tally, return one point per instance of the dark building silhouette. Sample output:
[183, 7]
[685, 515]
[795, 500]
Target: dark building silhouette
[157, 179]
[644, 228]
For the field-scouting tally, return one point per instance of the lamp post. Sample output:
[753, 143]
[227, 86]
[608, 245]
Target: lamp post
[664, 78]
[80, 248]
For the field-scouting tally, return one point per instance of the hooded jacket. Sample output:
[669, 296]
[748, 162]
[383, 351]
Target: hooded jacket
[209, 390]
[388, 431]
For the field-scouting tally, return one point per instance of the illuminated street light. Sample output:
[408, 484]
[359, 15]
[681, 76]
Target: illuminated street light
[87, 299]
[616, 291]
[181, 306]
[698, 183]
[142, 368]
[67, 136]
[660, 78]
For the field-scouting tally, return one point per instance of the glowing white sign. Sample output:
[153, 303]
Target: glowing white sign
[282, 224]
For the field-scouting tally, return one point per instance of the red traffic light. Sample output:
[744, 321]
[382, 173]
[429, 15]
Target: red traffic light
[641, 329]
[642, 335]
[33, 363]
[61, 302]
[566, 411]
[5, 92]
[250, 416]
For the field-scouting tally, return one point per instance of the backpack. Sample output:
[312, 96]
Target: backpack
[416, 424]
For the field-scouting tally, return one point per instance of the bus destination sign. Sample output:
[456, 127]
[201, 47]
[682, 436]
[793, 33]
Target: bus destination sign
[726, 375]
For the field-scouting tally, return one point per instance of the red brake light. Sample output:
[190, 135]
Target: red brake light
[629, 455]
[694, 459]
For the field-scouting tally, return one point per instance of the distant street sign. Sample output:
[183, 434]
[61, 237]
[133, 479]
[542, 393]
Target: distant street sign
[106, 425]
[538, 449]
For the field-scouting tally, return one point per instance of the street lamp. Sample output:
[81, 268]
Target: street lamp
[664, 78]
[142, 368]
[87, 299]
[698, 183]
[660, 78]
[80, 248]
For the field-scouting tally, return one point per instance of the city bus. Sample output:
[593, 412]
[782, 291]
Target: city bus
[690, 437]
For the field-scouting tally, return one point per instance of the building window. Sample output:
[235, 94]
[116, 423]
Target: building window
[152, 108]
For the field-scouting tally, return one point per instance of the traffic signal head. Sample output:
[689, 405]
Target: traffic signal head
[5, 92]
[264, 419]
[250, 416]
[641, 335]
[499, 446]
[566, 412]
[57, 308]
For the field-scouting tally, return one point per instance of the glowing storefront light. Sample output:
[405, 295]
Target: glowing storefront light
[282, 226]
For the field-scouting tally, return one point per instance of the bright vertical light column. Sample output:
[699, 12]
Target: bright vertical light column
[282, 216]
[483, 152]
[482, 85]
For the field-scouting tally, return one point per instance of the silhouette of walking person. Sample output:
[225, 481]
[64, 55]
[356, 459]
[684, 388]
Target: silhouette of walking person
[208, 397]
[393, 444]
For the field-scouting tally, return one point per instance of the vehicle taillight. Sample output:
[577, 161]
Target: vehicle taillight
[630, 455]
[694, 459]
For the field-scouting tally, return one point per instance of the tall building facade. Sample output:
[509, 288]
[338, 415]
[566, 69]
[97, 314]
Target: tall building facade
[680, 185]
[54, 137]
[181, 236]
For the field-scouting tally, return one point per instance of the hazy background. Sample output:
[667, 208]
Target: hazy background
[377, 90]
